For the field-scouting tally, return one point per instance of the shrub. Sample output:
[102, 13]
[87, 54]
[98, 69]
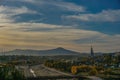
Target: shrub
[74, 70]
[93, 72]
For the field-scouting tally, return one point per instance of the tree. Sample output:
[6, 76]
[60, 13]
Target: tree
[74, 70]
[93, 72]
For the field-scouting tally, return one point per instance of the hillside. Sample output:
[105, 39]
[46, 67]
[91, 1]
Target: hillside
[50, 52]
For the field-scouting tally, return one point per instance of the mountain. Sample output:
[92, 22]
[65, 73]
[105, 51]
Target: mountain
[56, 51]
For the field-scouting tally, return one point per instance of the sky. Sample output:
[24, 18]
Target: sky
[71, 24]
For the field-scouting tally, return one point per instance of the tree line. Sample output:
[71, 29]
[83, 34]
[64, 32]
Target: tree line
[9, 72]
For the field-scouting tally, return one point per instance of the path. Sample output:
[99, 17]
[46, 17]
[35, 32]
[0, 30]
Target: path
[94, 78]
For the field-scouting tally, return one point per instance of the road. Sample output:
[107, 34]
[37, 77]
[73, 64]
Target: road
[41, 70]
[33, 73]
[94, 78]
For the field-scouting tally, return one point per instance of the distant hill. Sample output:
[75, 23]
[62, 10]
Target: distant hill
[56, 51]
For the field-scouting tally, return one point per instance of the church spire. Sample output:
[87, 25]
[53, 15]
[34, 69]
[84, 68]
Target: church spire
[92, 52]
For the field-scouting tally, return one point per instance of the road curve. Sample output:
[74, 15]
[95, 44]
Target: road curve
[41, 70]
[33, 73]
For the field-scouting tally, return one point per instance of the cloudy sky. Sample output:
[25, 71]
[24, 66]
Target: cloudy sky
[72, 24]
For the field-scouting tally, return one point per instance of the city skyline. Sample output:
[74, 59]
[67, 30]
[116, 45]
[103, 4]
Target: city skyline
[48, 24]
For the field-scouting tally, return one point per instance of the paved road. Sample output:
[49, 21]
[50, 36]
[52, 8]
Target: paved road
[41, 70]
[33, 73]
[94, 78]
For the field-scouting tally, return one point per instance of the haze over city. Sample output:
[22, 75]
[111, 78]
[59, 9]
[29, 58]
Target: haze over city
[71, 24]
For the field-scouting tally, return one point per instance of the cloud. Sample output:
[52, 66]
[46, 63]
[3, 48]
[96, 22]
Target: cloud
[15, 10]
[46, 11]
[47, 35]
[5, 18]
[21, 36]
[27, 26]
[70, 6]
[104, 16]
[58, 3]
[7, 13]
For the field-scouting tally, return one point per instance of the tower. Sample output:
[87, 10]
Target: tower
[92, 56]
[92, 52]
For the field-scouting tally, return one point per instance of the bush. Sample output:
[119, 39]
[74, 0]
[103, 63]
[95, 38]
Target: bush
[108, 71]
[74, 70]
[93, 72]
[10, 73]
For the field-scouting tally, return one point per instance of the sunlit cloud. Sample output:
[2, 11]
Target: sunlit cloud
[7, 13]
[19, 36]
[43, 25]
